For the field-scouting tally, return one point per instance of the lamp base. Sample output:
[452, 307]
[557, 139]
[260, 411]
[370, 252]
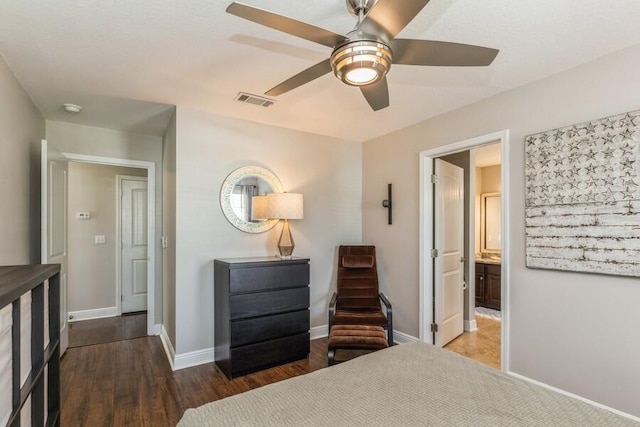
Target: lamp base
[285, 243]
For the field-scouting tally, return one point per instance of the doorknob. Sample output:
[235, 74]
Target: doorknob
[464, 286]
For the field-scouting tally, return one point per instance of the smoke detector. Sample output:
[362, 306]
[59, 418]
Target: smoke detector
[72, 108]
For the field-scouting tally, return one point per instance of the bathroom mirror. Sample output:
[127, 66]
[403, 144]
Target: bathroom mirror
[491, 222]
[236, 196]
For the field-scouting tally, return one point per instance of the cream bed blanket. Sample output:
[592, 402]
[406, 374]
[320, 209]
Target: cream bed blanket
[407, 385]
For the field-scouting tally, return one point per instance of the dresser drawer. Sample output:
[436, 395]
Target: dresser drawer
[262, 303]
[272, 277]
[258, 329]
[269, 353]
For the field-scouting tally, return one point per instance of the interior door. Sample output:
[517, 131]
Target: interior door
[449, 242]
[133, 228]
[53, 207]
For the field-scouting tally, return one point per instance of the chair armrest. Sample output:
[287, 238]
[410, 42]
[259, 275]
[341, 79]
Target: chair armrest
[332, 308]
[385, 301]
[387, 304]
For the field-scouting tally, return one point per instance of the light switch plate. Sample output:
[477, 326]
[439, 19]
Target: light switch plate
[100, 239]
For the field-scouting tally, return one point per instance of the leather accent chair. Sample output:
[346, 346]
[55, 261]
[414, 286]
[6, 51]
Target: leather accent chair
[357, 300]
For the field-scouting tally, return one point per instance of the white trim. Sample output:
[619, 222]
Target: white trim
[402, 338]
[194, 358]
[319, 332]
[426, 230]
[470, 325]
[151, 222]
[168, 347]
[96, 313]
[119, 179]
[575, 396]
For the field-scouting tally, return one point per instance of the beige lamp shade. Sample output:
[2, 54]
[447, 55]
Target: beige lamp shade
[259, 207]
[285, 206]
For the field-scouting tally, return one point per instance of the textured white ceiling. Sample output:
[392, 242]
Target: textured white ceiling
[124, 61]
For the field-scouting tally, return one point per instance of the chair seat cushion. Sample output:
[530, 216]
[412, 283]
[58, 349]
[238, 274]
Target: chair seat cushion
[359, 317]
[357, 337]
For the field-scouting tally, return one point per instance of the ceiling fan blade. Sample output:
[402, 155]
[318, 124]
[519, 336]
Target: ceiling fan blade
[391, 16]
[377, 95]
[436, 53]
[286, 25]
[311, 73]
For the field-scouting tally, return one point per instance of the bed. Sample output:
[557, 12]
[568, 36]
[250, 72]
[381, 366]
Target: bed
[413, 384]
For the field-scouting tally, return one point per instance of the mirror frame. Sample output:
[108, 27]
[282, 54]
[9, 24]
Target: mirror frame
[225, 197]
[483, 223]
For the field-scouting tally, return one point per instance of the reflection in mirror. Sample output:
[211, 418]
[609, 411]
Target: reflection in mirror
[237, 192]
[242, 196]
[491, 223]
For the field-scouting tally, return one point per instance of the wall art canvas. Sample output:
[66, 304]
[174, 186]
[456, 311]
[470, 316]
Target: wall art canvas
[583, 197]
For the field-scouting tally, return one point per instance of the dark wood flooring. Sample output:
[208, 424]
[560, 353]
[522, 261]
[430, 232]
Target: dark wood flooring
[99, 331]
[130, 383]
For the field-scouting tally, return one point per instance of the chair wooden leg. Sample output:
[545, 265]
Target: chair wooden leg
[331, 356]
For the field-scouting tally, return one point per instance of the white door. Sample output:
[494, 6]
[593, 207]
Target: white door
[133, 226]
[54, 225]
[449, 243]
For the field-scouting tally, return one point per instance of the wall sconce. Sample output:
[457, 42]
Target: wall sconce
[387, 203]
[285, 206]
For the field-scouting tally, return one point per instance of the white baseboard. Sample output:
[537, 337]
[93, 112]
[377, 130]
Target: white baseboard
[470, 325]
[98, 313]
[402, 338]
[575, 396]
[319, 332]
[168, 347]
[194, 358]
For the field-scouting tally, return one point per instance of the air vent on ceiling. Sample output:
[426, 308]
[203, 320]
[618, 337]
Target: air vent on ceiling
[254, 99]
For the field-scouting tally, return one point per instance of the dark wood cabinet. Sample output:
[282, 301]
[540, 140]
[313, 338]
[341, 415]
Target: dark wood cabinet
[261, 313]
[488, 285]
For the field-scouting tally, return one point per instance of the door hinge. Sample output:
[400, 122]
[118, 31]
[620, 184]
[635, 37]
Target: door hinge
[434, 178]
[121, 297]
[434, 253]
[434, 327]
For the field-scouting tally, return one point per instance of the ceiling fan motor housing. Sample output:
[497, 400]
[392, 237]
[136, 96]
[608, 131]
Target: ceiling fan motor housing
[362, 60]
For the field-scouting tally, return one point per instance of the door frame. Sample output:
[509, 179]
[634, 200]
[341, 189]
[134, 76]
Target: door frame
[119, 179]
[152, 329]
[426, 233]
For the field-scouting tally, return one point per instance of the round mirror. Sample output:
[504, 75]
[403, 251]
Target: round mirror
[237, 198]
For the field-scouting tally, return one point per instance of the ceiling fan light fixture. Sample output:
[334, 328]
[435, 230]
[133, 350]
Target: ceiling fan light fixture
[361, 62]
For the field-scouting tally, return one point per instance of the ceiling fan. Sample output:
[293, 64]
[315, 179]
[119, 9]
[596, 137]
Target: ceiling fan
[364, 56]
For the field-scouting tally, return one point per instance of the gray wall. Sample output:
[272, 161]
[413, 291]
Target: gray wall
[327, 171]
[91, 269]
[573, 331]
[169, 230]
[21, 130]
[88, 140]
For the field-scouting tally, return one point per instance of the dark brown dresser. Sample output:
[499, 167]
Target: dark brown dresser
[261, 313]
[488, 285]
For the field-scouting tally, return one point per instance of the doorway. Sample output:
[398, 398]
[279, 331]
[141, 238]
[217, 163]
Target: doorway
[482, 267]
[54, 228]
[430, 300]
[107, 224]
